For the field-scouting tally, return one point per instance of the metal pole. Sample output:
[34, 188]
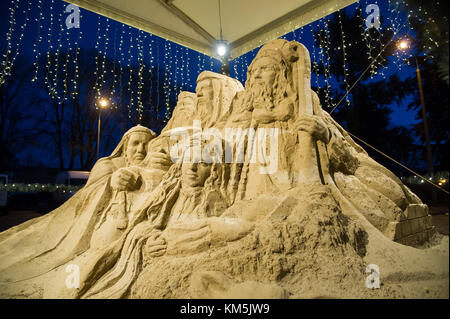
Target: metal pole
[425, 127]
[98, 132]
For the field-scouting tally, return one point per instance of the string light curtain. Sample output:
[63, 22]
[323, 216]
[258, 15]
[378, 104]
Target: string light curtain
[133, 52]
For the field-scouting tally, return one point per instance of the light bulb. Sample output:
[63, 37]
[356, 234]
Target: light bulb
[222, 49]
[403, 45]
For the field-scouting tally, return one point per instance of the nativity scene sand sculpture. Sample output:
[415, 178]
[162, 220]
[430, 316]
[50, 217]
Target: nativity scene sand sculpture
[299, 210]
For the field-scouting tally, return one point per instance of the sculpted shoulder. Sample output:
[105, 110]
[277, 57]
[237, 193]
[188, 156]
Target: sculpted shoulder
[103, 167]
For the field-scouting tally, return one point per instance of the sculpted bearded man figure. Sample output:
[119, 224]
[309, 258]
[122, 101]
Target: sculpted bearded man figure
[272, 99]
[276, 92]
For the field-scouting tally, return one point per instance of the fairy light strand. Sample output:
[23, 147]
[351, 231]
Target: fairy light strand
[36, 50]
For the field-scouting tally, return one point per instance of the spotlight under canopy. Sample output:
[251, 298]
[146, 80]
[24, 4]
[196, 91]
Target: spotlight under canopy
[222, 49]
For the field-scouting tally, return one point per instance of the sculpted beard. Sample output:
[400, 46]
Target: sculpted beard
[260, 96]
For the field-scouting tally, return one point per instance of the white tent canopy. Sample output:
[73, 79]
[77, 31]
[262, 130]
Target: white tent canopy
[246, 24]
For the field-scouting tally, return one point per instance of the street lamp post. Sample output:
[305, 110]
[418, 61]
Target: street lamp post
[102, 103]
[404, 45]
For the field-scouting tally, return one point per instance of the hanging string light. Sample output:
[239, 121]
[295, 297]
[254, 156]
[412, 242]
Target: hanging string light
[211, 64]
[344, 62]
[324, 42]
[188, 72]
[54, 87]
[22, 33]
[199, 62]
[122, 61]
[314, 63]
[97, 58]
[166, 80]
[8, 63]
[183, 81]
[151, 67]
[158, 71]
[76, 76]
[399, 60]
[428, 20]
[69, 55]
[235, 71]
[203, 62]
[101, 59]
[130, 69]
[365, 34]
[103, 69]
[36, 50]
[12, 22]
[50, 47]
[377, 66]
[140, 106]
[105, 52]
[115, 75]
[176, 81]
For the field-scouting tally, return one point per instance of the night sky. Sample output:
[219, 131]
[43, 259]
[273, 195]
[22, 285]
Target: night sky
[89, 28]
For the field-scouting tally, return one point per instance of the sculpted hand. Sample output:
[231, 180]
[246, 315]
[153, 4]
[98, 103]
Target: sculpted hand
[160, 159]
[198, 235]
[188, 237]
[156, 245]
[123, 179]
[313, 125]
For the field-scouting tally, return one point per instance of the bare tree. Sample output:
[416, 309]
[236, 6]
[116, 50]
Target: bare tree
[20, 114]
[71, 122]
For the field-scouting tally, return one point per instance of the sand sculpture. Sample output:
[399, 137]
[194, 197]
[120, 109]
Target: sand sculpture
[299, 210]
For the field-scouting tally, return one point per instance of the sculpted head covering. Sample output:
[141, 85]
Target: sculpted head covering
[211, 109]
[119, 150]
[183, 114]
[292, 65]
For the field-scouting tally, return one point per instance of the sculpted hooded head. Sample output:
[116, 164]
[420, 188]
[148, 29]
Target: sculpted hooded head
[133, 146]
[214, 94]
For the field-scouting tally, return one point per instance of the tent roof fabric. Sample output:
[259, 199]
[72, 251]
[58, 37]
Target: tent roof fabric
[246, 24]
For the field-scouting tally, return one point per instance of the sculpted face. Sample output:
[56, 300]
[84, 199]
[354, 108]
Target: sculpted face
[137, 147]
[186, 104]
[261, 84]
[267, 98]
[194, 174]
[264, 71]
[183, 111]
[205, 95]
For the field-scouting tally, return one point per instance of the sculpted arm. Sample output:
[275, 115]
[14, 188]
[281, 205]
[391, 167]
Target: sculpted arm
[198, 235]
[103, 168]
